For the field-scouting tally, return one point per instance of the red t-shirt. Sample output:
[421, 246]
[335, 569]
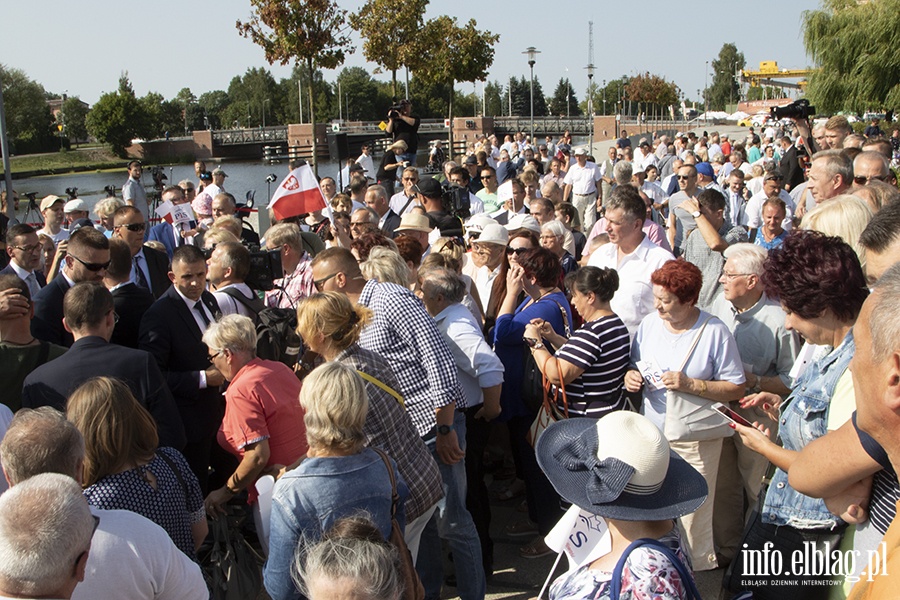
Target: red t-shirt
[263, 402]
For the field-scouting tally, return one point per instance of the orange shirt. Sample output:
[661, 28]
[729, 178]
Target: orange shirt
[886, 579]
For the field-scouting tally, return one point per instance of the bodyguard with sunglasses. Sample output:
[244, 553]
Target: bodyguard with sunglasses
[86, 260]
[150, 267]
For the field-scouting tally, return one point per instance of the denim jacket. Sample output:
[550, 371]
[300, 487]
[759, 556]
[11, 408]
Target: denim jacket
[804, 419]
[308, 500]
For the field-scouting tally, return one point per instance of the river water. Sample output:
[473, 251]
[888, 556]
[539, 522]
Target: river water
[242, 177]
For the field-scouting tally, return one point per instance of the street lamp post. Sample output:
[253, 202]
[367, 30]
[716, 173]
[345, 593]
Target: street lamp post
[266, 101]
[532, 52]
[590, 71]
[604, 97]
[706, 91]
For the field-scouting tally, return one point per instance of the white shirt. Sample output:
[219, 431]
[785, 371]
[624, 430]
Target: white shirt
[213, 190]
[634, 299]
[399, 200]
[230, 305]
[754, 210]
[484, 283]
[477, 365]
[368, 164]
[583, 179]
[33, 286]
[133, 557]
[62, 236]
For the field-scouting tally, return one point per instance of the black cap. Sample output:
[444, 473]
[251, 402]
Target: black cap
[429, 187]
[471, 160]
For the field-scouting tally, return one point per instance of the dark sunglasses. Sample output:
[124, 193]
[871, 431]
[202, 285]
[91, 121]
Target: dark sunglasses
[516, 251]
[134, 227]
[683, 177]
[321, 282]
[865, 180]
[92, 266]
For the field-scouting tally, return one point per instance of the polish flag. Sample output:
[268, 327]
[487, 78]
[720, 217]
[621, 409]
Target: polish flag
[298, 194]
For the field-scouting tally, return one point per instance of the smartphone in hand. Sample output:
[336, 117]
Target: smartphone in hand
[731, 415]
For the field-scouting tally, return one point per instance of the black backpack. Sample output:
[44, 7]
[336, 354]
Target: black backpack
[276, 329]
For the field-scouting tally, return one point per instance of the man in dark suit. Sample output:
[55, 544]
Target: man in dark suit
[169, 234]
[87, 259]
[790, 167]
[150, 267]
[172, 331]
[90, 317]
[24, 251]
[377, 200]
[131, 301]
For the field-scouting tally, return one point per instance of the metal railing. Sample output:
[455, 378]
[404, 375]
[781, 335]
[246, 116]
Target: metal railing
[544, 125]
[229, 137]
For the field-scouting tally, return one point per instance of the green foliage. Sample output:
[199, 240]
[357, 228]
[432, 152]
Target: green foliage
[325, 105]
[652, 93]
[389, 29]
[212, 105]
[312, 32]
[563, 93]
[251, 93]
[363, 98]
[73, 115]
[521, 97]
[28, 118]
[117, 118]
[495, 99]
[725, 88]
[192, 111]
[610, 91]
[854, 44]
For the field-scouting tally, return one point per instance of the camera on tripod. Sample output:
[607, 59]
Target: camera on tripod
[799, 109]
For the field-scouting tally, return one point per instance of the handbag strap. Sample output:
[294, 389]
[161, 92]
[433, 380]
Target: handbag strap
[694, 344]
[377, 382]
[395, 497]
[565, 318]
[174, 470]
[615, 585]
[561, 388]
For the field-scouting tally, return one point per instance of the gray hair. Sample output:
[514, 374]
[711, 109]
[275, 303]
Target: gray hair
[554, 227]
[444, 282]
[386, 265]
[835, 162]
[870, 156]
[372, 216]
[45, 528]
[370, 564]
[235, 333]
[884, 320]
[41, 440]
[282, 234]
[108, 206]
[623, 172]
[378, 190]
[748, 258]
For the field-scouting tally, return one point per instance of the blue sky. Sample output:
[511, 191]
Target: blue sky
[82, 47]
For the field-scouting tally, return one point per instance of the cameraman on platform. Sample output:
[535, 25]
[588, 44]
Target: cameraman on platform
[431, 195]
[403, 126]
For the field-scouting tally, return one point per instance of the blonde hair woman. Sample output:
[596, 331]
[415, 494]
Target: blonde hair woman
[124, 469]
[340, 477]
[844, 216]
[330, 326]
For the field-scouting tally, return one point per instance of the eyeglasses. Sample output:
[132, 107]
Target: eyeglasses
[212, 357]
[483, 177]
[133, 227]
[516, 251]
[93, 531]
[864, 180]
[730, 276]
[319, 284]
[683, 177]
[28, 249]
[92, 266]
[413, 179]
[115, 317]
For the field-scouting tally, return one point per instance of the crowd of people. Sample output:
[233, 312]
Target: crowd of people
[514, 312]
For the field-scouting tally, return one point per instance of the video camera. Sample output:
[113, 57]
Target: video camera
[455, 200]
[799, 109]
[265, 268]
[159, 177]
[394, 110]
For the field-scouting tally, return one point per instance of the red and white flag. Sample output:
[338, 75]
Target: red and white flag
[298, 194]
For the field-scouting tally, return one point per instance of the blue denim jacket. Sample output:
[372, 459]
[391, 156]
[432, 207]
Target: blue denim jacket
[804, 419]
[308, 500]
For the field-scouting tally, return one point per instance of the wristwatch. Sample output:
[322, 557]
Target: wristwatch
[445, 429]
[696, 214]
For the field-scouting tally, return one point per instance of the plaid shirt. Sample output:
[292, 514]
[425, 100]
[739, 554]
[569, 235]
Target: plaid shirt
[293, 288]
[390, 428]
[408, 339]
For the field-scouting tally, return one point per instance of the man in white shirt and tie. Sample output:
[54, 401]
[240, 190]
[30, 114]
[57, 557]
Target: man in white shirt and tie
[24, 250]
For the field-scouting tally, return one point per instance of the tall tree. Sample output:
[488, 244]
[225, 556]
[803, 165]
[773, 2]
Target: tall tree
[725, 88]
[118, 117]
[28, 117]
[250, 94]
[324, 107]
[854, 44]
[652, 93]
[563, 101]
[389, 29]
[454, 54]
[494, 98]
[310, 31]
[213, 104]
[361, 96]
[72, 116]
[192, 113]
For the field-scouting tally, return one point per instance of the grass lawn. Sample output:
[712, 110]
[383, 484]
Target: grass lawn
[61, 162]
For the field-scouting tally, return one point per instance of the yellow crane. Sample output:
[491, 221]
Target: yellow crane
[768, 70]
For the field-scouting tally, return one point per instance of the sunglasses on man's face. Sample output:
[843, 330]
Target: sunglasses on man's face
[135, 227]
[92, 266]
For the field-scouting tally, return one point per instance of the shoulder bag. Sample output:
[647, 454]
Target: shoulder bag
[615, 584]
[549, 411]
[412, 585]
[532, 380]
[690, 418]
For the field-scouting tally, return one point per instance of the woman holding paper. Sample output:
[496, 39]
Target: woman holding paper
[682, 348]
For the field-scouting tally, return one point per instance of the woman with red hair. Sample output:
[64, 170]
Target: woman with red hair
[712, 369]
